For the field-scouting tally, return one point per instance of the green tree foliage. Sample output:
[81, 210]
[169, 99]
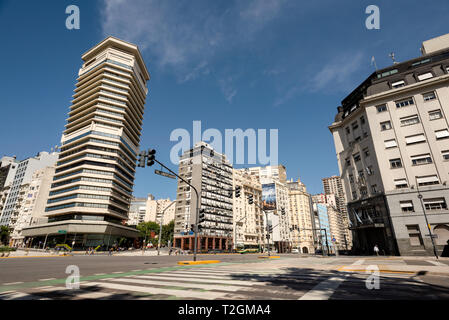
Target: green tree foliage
[145, 228]
[167, 232]
[4, 234]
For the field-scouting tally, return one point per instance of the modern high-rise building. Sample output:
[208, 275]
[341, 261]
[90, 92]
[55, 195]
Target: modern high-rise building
[322, 225]
[22, 176]
[211, 174]
[248, 219]
[334, 185]
[155, 208]
[92, 188]
[391, 136]
[301, 216]
[137, 211]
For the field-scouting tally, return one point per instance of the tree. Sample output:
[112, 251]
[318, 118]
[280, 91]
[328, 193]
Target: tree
[4, 234]
[167, 232]
[145, 228]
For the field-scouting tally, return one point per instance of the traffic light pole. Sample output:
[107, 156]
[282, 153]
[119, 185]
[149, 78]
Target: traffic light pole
[197, 207]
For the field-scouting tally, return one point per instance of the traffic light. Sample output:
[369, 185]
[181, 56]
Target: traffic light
[200, 227]
[201, 216]
[250, 199]
[237, 191]
[151, 157]
[141, 160]
[192, 227]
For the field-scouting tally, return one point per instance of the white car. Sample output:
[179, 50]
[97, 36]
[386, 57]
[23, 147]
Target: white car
[295, 250]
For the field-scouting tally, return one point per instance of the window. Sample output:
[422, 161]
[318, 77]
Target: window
[407, 206]
[354, 195]
[442, 134]
[362, 120]
[395, 163]
[382, 108]
[354, 125]
[390, 143]
[369, 170]
[414, 235]
[398, 84]
[348, 131]
[417, 138]
[434, 115]
[425, 76]
[374, 188]
[407, 121]
[401, 183]
[435, 204]
[387, 73]
[356, 157]
[429, 96]
[427, 180]
[445, 155]
[404, 103]
[366, 152]
[421, 159]
[348, 162]
[385, 125]
[351, 178]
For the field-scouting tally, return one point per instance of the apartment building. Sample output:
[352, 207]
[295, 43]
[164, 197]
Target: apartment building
[211, 174]
[8, 167]
[391, 136]
[248, 219]
[155, 208]
[93, 182]
[301, 216]
[22, 177]
[32, 203]
[137, 211]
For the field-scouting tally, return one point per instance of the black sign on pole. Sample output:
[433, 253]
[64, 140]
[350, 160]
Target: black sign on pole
[165, 174]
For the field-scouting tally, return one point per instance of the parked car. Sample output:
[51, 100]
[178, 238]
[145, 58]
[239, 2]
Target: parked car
[295, 250]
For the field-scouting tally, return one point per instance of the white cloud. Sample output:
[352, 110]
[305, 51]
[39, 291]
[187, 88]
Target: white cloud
[186, 37]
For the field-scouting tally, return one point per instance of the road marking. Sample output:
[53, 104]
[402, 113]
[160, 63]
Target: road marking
[99, 274]
[196, 279]
[117, 272]
[253, 277]
[11, 283]
[136, 270]
[324, 289]
[358, 262]
[181, 284]
[47, 279]
[169, 292]
[19, 296]
[47, 288]
[93, 295]
[437, 263]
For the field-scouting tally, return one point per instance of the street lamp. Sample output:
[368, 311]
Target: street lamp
[425, 217]
[160, 227]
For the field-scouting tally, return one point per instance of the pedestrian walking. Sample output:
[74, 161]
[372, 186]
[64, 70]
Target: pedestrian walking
[376, 249]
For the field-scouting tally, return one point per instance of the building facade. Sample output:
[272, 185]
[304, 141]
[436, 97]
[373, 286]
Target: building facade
[301, 216]
[391, 137]
[155, 208]
[248, 219]
[324, 240]
[22, 177]
[211, 174]
[93, 182]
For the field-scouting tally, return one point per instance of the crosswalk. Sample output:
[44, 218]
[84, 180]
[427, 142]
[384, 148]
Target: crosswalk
[226, 282]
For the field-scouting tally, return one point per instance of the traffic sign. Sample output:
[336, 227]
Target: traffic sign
[165, 174]
[62, 231]
[333, 239]
[190, 232]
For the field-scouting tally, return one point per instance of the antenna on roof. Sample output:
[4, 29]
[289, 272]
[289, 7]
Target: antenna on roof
[393, 57]
[373, 61]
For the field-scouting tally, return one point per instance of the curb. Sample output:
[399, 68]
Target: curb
[269, 257]
[198, 262]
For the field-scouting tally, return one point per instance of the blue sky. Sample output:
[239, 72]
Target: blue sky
[269, 64]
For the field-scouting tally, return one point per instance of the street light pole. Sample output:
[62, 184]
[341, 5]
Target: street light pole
[160, 227]
[425, 217]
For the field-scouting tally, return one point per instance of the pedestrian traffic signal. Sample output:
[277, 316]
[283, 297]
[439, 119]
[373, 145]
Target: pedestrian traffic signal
[151, 157]
[250, 199]
[192, 227]
[141, 160]
[237, 191]
[201, 216]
